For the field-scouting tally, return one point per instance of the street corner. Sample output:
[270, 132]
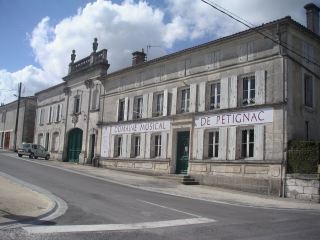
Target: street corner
[21, 204]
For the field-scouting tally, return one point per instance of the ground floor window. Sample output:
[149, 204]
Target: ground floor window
[157, 145]
[55, 142]
[213, 144]
[40, 139]
[247, 143]
[118, 146]
[137, 141]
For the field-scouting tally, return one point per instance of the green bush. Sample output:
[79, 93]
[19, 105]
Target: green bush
[303, 157]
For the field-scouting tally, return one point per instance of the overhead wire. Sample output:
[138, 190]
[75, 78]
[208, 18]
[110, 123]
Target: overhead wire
[254, 28]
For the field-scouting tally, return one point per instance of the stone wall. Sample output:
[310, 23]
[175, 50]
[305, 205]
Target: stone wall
[249, 177]
[304, 187]
[153, 166]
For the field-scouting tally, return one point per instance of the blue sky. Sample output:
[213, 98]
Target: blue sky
[37, 36]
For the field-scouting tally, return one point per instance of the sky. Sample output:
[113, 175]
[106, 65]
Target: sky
[37, 36]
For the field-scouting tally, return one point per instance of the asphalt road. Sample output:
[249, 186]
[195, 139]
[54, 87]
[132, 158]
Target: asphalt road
[94, 202]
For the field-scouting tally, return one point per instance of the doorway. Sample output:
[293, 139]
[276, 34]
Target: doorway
[74, 145]
[6, 140]
[91, 147]
[182, 152]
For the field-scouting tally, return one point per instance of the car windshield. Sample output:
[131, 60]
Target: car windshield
[25, 145]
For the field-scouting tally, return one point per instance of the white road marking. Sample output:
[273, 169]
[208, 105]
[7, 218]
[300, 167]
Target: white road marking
[116, 227]
[172, 209]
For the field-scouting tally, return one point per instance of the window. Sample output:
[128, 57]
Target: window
[55, 142]
[213, 145]
[59, 113]
[137, 141]
[3, 116]
[308, 91]
[185, 100]
[121, 110]
[95, 99]
[47, 142]
[40, 139]
[50, 115]
[138, 107]
[247, 143]
[41, 118]
[159, 105]
[76, 108]
[214, 96]
[157, 145]
[118, 146]
[248, 84]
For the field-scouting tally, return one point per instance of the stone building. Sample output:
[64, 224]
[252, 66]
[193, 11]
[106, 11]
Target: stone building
[25, 130]
[222, 112]
[67, 114]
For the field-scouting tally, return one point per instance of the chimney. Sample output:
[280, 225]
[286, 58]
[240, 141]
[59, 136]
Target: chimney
[138, 57]
[312, 17]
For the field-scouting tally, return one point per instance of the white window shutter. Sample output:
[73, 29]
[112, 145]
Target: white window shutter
[164, 137]
[260, 87]
[193, 97]
[233, 91]
[61, 112]
[131, 106]
[126, 108]
[39, 115]
[143, 145]
[200, 133]
[174, 101]
[165, 102]
[124, 145]
[48, 116]
[150, 104]
[202, 97]
[223, 141]
[259, 142]
[128, 145]
[114, 145]
[148, 145]
[224, 93]
[117, 110]
[145, 105]
[232, 143]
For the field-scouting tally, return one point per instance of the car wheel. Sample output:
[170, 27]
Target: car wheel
[31, 155]
[35, 157]
[19, 155]
[48, 157]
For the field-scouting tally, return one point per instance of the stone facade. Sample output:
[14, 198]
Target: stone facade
[72, 107]
[235, 100]
[26, 120]
[304, 187]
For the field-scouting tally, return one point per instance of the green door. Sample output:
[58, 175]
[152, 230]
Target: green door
[74, 145]
[183, 152]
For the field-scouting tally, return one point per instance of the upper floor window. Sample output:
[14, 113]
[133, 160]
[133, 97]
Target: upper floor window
[215, 95]
[247, 143]
[76, 108]
[213, 144]
[308, 91]
[41, 117]
[58, 112]
[158, 105]
[121, 110]
[185, 100]
[249, 90]
[95, 99]
[50, 115]
[138, 107]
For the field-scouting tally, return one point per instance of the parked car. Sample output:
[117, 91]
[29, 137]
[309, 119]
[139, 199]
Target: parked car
[33, 151]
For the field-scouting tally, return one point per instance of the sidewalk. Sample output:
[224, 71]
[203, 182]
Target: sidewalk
[19, 203]
[173, 187]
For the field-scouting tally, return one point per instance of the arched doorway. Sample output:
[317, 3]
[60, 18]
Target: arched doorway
[74, 144]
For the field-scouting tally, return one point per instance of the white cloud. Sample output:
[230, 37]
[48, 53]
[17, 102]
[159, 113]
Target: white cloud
[132, 25]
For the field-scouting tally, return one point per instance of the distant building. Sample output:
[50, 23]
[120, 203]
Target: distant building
[67, 114]
[222, 112]
[25, 131]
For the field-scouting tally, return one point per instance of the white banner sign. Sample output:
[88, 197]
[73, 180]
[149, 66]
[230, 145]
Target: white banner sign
[158, 126]
[235, 118]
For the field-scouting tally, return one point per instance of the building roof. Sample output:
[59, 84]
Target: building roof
[32, 98]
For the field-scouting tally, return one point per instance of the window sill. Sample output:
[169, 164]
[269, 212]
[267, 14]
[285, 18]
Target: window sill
[309, 109]
[94, 110]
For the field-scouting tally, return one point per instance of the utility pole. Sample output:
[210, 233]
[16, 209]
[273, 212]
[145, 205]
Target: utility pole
[17, 118]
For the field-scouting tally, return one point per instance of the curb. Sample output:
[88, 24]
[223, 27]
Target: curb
[58, 209]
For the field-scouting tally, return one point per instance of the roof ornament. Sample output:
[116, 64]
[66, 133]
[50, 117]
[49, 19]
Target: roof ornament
[95, 45]
[73, 56]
